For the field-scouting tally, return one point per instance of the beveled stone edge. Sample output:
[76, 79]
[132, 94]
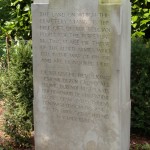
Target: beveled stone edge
[41, 2]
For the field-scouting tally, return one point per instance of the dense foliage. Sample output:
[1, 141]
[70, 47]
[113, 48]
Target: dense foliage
[141, 18]
[144, 146]
[140, 86]
[17, 88]
[15, 19]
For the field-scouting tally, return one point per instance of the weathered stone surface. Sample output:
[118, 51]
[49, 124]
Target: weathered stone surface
[110, 1]
[81, 57]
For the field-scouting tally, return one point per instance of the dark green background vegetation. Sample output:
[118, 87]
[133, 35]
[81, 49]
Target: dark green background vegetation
[140, 87]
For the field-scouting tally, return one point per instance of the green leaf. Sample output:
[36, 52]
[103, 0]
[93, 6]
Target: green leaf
[140, 33]
[26, 8]
[134, 25]
[144, 22]
[146, 15]
[145, 10]
[18, 6]
[134, 18]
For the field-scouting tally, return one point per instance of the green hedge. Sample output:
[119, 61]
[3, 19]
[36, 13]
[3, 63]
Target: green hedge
[17, 88]
[140, 86]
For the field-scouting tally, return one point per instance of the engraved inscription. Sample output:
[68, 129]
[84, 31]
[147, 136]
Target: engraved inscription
[72, 46]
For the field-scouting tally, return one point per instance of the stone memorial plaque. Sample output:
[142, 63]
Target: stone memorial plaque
[81, 61]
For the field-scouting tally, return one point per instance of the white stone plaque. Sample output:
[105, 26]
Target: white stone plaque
[81, 58]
